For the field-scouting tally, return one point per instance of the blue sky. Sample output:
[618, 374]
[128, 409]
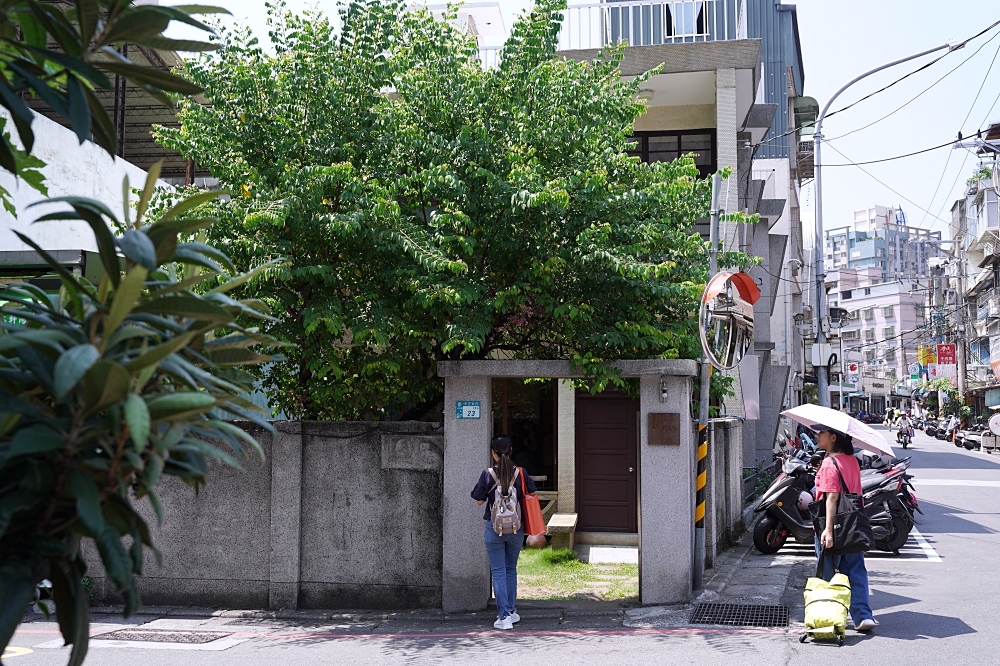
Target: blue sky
[841, 39]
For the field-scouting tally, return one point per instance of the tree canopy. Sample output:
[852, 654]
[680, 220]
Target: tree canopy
[430, 208]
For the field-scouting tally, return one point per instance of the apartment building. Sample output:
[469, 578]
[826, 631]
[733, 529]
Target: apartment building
[885, 323]
[881, 238]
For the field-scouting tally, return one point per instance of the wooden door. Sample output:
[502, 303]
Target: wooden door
[606, 469]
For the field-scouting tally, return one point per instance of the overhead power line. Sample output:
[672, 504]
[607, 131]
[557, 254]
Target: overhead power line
[894, 191]
[896, 157]
[925, 90]
[891, 84]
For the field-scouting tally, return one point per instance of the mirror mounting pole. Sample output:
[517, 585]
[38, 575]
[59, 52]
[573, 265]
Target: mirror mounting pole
[701, 477]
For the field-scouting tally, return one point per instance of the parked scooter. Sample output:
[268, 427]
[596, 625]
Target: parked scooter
[972, 439]
[785, 505]
[889, 501]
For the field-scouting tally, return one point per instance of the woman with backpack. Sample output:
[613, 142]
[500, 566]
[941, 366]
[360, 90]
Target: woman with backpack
[501, 487]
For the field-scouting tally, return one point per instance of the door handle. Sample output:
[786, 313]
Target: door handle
[630, 470]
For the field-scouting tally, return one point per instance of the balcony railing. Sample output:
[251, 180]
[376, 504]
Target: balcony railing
[595, 25]
[644, 23]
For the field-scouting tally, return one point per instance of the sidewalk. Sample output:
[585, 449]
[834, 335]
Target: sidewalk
[741, 575]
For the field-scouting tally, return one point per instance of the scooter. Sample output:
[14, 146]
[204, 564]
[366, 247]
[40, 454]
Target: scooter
[785, 505]
[903, 437]
[973, 439]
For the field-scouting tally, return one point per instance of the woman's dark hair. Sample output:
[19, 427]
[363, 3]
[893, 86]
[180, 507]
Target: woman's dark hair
[843, 443]
[502, 446]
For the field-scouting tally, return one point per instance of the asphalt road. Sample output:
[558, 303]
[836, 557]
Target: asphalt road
[936, 603]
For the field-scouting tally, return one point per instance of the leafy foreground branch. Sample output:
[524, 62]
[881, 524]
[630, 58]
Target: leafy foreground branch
[103, 390]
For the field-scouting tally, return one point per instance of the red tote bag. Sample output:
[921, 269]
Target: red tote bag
[534, 524]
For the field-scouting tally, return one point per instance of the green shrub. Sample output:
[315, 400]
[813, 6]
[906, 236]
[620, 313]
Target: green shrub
[560, 556]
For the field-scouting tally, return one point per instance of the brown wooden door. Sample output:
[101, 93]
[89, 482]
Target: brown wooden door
[606, 470]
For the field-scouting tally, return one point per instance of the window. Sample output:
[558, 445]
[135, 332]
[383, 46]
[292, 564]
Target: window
[888, 332]
[668, 146]
[887, 311]
[890, 373]
[869, 334]
[869, 355]
[869, 313]
[890, 355]
[854, 315]
[853, 334]
[919, 311]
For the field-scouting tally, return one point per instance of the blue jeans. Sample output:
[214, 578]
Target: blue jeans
[852, 566]
[502, 552]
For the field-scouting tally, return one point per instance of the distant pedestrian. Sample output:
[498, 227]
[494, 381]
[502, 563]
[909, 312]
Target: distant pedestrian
[840, 463]
[499, 487]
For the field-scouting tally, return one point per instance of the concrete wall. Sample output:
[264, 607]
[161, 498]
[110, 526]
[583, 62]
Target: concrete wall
[72, 168]
[724, 493]
[339, 515]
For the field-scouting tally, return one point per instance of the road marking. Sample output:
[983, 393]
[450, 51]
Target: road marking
[15, 652]
[929, 551]
[957, 482]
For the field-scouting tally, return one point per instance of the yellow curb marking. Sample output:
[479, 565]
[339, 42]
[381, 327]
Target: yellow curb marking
[16, 652]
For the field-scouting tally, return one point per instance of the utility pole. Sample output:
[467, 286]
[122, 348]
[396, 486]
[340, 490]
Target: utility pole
[706, 377]
[822, 371]
[960, 308]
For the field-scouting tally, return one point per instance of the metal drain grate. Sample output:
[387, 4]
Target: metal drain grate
[740, 615]
[163, 636]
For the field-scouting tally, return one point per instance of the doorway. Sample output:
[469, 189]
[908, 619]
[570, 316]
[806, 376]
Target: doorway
[606, 463]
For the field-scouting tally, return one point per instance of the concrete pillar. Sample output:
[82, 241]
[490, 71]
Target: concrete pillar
[465, 584]
[566, 442]
[286, 516]
[666, 495]
[727, 125]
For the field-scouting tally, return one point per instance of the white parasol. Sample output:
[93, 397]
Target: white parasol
[823, 418]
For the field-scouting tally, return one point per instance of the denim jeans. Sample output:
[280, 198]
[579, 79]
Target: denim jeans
[502, 552]
[852, 566]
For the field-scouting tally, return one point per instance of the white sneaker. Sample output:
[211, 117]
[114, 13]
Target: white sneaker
[514, 618]
[866, 625]
[504, 624]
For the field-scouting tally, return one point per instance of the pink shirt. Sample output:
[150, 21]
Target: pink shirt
[827, 480]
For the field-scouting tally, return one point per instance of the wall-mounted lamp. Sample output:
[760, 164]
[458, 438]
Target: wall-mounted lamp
[663, 389]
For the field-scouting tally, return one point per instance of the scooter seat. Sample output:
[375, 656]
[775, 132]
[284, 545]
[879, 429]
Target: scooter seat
[869, 482]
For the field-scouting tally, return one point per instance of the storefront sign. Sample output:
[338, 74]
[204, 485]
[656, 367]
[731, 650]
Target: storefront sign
[995, 356]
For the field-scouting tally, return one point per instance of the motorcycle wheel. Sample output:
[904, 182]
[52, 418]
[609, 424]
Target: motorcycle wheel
[904, 444]
[767, 536]
[898, 535]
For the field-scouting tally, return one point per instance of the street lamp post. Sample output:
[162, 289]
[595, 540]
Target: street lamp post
[822, 371]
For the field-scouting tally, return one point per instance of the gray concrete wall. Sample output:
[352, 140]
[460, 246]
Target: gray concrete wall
[338, 515]
[724, 496]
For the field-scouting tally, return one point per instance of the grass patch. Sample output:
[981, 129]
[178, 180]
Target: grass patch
[557, 574]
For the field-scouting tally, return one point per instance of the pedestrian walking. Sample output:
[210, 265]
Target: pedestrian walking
[840, 463]
[499, 487]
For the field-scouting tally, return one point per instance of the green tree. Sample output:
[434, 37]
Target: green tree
[432, 209]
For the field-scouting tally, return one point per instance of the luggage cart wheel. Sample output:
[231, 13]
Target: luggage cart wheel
[803, 637]
[840, 641]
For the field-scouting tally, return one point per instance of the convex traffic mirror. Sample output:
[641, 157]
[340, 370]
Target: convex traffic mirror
[725, 318]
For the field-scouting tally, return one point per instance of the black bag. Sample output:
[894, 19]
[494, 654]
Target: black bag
[852, 531]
